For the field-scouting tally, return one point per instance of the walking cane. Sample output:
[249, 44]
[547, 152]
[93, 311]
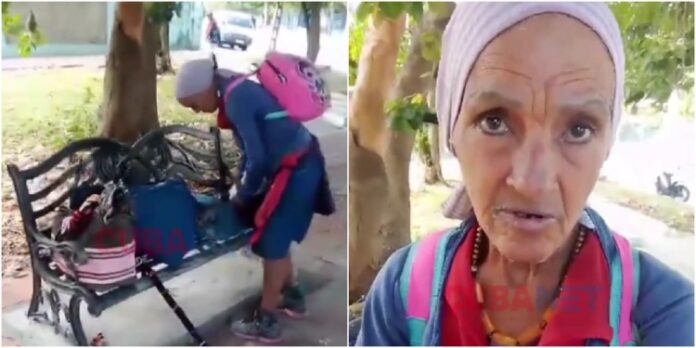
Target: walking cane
[148, 272]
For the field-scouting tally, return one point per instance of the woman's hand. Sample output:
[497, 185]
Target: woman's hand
[92, 200]
[246, 208]
[243, 210]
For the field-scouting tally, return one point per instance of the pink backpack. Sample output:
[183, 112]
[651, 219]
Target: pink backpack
[295, 83]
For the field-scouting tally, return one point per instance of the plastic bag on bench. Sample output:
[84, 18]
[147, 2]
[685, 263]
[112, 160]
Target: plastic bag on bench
[165, 219]
[101, 224]
[217, 221]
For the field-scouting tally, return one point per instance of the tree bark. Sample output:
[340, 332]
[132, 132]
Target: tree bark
[265, 13]
[277, 19]
[130, 80]
[164, 58]
[391, 213]
[433, 169]
[330, 18]
[368, 182]
[313, 9]
[433, 172]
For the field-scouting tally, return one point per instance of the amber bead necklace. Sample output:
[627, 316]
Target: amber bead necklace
[531, 334]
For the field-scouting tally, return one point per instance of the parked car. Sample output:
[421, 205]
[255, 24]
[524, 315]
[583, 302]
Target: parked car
[236, 28]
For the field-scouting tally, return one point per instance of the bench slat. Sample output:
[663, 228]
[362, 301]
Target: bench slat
[158, 134]
[53, 205]
[121, 294]
[199, 155]
[70, 149]
[52, 186]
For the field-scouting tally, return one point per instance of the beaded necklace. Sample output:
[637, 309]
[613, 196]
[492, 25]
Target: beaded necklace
[531, 334]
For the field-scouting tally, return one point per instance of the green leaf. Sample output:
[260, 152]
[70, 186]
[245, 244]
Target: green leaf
[440, 8]
[400, 123]
[417, 99]
[162, 12]
[431, 44]
[392, 105]
[25, 45]
[659, 47]
[416, 10]
[365, 9]
[391, 10]
[12, 24]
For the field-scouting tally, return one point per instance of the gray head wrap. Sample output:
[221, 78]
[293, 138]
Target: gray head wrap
[194, 76]
[474, 25]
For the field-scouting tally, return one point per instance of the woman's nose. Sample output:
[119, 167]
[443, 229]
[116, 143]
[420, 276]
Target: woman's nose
[533, 168]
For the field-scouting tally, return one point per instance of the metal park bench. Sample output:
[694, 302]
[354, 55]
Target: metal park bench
[172, 151]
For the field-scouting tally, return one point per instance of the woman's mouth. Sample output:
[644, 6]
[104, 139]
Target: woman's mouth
[526, 220]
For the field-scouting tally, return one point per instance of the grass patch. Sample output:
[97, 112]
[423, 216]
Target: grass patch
[428, 203]
[48, 108]
[675, 214]
[54, 107]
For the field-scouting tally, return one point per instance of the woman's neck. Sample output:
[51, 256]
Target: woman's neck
[501, 271]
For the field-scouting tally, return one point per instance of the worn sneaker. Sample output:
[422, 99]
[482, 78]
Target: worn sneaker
[260, 325]
[293, 304]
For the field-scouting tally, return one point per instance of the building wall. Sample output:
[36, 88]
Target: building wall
[91, 37]
[67, 22]
[185, 32]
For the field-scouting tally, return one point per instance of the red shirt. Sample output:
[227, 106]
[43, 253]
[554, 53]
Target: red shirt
[581, 313]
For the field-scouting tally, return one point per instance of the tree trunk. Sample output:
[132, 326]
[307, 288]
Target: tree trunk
[392, 216]
[330, 17]
[164, 59]
[433, 172]
[130, 79]
[313, 10]
[367, 180]
[433, 169]
[277, 19]
[265, 13]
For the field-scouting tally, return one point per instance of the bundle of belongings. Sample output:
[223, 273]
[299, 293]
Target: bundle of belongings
[100, 222]
[112, 225]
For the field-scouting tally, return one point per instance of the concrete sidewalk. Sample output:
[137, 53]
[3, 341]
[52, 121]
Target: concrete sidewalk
[96, 62]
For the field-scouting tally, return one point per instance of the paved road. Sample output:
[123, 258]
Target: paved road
[333, 52]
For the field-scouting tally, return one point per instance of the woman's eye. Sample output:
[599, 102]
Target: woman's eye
[578, 134]
[493, 125]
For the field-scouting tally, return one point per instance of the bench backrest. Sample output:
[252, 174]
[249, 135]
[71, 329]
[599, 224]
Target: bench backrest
[173, 159]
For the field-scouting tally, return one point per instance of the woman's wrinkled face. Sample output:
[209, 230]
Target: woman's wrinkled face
[205, 101]
[534, 130]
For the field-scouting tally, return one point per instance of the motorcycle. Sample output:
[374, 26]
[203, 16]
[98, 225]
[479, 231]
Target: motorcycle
[671, 188]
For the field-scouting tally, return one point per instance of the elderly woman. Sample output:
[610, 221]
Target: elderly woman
[529, 98]
[280, 211]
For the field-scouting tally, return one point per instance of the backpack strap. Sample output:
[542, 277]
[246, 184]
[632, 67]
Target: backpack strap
[421, 282]
[236, 82]
[625, 277]
[277, 115]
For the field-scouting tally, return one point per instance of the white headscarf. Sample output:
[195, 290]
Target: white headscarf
[194, 76]
[474, 25]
